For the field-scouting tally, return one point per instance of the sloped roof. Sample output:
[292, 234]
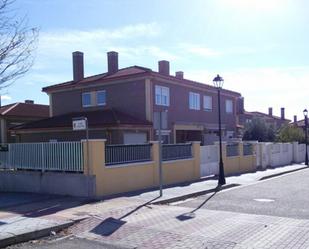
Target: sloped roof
[25, 110]
[99, 118]
[300, 123]
[125, 73]
[265, 115]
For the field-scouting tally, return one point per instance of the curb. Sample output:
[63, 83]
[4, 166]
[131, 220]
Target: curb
[25, 237]
[195, 194]
[282, 173]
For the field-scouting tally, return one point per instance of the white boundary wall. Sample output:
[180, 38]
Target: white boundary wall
[209, 160]
[279, 154]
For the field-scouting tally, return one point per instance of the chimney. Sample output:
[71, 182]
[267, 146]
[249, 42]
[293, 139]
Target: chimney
[282, 113]
[28, 101]
[179, 74]
[164, 67]
[112, 62]
[78, 66]
[295, 119]
[270, 111]
[241, 107]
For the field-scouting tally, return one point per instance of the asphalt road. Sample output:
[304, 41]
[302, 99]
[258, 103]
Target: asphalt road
[65, 243]
[284, 196]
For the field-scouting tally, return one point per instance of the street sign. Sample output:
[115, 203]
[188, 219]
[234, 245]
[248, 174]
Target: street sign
[79, 124]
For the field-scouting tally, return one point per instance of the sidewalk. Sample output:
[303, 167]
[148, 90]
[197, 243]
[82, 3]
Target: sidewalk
[27, 216]
[176, 193]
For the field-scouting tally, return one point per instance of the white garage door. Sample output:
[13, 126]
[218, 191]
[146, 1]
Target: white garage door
[134, 138]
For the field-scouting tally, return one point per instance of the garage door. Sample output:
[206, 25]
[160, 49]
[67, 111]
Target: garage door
[134, 138]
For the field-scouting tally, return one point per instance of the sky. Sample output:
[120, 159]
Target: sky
[259, 47]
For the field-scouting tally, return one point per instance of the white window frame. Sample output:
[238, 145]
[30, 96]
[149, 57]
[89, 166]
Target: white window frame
[194, 101]
[207, 108]
[160, 92]
[227, 106]
[90, 94]
[101, 91]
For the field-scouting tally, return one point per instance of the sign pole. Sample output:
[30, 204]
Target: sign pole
[88, 160]
[87, 144]
[80, 124]
[160, 154]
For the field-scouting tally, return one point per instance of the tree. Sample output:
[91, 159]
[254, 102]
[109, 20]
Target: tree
[258, 130]
[289, 134]
[17, 44]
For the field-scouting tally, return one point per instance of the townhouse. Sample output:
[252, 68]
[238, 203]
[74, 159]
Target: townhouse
[17, 114]
[122, 105]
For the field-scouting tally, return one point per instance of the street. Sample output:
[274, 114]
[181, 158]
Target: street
[285, 196]
[268, 214]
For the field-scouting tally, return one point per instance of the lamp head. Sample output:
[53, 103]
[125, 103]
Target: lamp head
[218, 81]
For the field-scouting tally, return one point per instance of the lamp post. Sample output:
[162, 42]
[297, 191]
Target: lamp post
[218, 83]
[306, 134]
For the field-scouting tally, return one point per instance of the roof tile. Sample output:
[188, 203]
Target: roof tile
[98, 118]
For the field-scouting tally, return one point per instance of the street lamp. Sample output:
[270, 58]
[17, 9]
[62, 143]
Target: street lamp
[306, 134]
[218, 83]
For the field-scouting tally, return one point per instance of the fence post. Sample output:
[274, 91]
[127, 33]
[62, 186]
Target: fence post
[42, 159]
[9, 161]
[196, 151]
[155, 158]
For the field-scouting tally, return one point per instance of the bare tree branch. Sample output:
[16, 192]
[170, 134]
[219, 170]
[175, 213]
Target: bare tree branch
[17, 45]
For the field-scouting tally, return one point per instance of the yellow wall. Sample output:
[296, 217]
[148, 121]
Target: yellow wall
[239, 164]
[137, 176]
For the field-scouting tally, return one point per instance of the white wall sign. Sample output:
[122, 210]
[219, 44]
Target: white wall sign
[79, 124]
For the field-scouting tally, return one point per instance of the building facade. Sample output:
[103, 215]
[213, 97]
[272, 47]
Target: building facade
[189, 109]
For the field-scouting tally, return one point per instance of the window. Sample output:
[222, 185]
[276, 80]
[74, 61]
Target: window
[229, 106]
[86, 99]
[162, 95]
[194, 101]
[101, 98]
[207, 102]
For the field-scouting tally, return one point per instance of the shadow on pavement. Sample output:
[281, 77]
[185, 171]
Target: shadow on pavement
[191, 215]
[34, 205]
[111, 225]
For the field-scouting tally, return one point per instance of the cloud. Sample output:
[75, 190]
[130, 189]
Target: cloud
[5, 98]
[200, 50]
[55, 47]
[145, 51]
[208, 52]
[98, 39]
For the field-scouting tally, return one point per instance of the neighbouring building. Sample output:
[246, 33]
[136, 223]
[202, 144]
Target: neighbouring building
[17, 114]
[298, 123]
[122, 106]
[270, 119]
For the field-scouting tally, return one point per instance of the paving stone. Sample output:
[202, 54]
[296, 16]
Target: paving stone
[175, 227]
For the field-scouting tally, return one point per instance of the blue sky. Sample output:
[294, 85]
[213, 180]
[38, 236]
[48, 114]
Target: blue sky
[260, 47]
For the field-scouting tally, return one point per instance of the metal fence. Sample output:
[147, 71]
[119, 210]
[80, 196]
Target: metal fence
[131, 153]
[176, 151]
[247, 149]
[60, 156]
[232, 150]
